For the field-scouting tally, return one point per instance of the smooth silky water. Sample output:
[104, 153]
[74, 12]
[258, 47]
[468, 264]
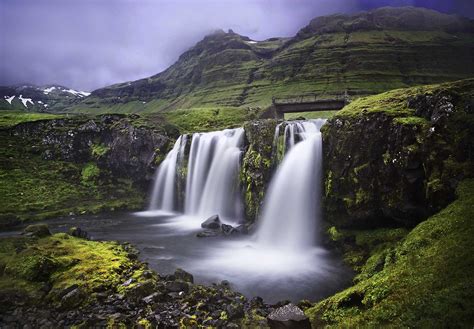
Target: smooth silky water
[282, 260]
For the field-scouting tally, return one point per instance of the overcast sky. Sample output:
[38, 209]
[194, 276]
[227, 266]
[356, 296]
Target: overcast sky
[87, 44]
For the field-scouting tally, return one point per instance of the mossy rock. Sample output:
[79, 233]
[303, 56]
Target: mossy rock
[37, 230]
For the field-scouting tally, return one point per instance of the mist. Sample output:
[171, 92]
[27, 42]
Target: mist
[87, 44]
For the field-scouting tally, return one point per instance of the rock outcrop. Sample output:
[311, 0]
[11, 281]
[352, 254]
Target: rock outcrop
[257, 164]
[396, 158]
[113, 142]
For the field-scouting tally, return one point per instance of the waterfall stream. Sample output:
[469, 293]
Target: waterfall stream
[291, 205]
[211, 185]
[213, 165]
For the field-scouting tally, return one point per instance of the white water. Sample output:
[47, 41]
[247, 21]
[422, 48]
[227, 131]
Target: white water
[283, 254]
[212, 186]
[212, 178]
[291, 206]
[163, 196]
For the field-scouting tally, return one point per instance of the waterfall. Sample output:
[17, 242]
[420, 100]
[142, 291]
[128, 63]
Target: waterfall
[291, 205]
[212, 185]
[163, 196]
[213, 167]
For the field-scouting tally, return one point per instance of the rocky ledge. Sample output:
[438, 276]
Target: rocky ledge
[396, 158]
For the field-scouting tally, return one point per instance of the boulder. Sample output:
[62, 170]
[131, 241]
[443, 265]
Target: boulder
[37, 230]
[182, 275]
[72, 299]
[289, 316]
[177, 286]
[227, 229]
[242, 229]
[212, 223]
[78, 232]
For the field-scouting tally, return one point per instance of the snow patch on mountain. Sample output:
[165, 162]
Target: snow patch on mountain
[77, 93]
[25, 101]
[46, 91]
[9, 99]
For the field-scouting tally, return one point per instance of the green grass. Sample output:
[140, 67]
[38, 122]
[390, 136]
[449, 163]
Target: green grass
[425, 280]
[9, 119]
[208, 119]
[310, 115]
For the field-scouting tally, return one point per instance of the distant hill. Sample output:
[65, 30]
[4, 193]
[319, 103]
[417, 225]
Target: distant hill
[39, 99]
[364, 53]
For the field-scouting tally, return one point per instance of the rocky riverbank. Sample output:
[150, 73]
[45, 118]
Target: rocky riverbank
[66, 280]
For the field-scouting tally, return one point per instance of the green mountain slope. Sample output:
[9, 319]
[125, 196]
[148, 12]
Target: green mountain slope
[365, 53]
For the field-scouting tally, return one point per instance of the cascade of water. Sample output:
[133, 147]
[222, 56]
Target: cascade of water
[163, 195]
[213, 167]
[212, 171]
[291, 205]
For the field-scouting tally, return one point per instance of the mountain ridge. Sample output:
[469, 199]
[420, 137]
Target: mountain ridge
[362, 53]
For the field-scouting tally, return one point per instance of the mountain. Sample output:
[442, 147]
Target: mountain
[363, 53]
[39, 99]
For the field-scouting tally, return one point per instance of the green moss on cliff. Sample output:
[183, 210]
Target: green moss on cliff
[395, 158]
[425, 280]
[33, 188]
[257, 164]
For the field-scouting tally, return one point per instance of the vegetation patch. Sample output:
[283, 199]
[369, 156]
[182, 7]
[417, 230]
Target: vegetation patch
[423, 280]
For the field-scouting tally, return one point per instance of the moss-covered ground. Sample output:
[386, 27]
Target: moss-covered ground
[62, 261]
[394, 102]
[421, 280]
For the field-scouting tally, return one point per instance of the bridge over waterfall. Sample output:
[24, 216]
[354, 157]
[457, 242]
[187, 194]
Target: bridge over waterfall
[307, 103]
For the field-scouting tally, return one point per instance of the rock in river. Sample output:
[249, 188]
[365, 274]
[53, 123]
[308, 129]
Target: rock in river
[212, 223]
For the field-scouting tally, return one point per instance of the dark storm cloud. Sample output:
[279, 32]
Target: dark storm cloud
[87, 44]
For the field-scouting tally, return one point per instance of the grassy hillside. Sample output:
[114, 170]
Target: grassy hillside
[364, 54]
[424, 280]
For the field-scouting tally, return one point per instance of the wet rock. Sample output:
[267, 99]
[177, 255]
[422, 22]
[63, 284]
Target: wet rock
[37, 230]
[212, 223]
[256, 302]
[72, 299]
[242, 229]
[288, 317]
[227, 229]
[177, 286]
[154, 297]
[207, 234]
[182, 275]
[140, 290]
[78, 232]
[235, 311]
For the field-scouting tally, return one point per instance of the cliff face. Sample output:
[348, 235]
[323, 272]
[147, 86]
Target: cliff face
[78, 165]
[111, 141]
[396, 158]
[257, 164]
